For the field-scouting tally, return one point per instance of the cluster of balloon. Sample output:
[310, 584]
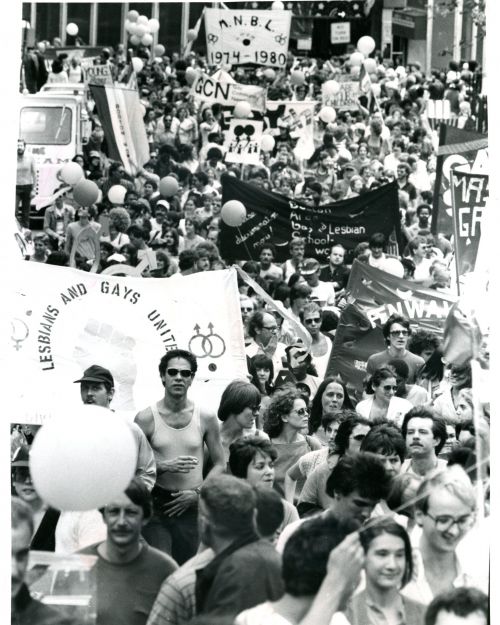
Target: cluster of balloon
[141, 29]
[168, 186]
[233, 213]
[72, 29]
[97, 452]
[85, 192]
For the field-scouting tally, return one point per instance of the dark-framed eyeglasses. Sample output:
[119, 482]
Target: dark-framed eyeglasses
[445, 522]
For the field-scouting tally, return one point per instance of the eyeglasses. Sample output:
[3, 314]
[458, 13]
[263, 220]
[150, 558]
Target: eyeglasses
[302, 411]
[313, 320]
[246, 310]
[388, 388]
[184, 373]
[399, 332]
[21, 474]
[444, 523]
[359, 437]
[270, 328]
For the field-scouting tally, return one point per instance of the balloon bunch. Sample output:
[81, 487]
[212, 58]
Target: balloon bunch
[141, 29]
[85, 192]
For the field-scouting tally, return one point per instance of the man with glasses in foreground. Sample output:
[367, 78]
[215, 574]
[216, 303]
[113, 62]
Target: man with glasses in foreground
[445, 512]
[177, 429]
[396, 332]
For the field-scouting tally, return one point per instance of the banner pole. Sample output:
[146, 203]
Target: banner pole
[244, 243]
[455, 228]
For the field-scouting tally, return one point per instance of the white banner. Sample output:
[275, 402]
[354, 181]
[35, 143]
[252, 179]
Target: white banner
[242, 142]
[298, 117]
[66, 320]
[239, 37]
[98, 74]
[207, 89]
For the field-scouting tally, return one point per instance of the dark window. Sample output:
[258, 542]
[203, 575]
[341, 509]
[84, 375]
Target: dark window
[79, 14]
[143, 8]
[170, 26]
[47, 20]
[109, 21]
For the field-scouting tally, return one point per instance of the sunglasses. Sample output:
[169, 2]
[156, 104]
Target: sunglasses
[185, 373]
[359, 437]
[21, 474]
[313, 320]
[399, 332]
[246, 310]
[388, 387]
[302, 411]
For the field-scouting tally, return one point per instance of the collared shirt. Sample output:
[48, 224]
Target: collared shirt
[377, 616]
[176, 601]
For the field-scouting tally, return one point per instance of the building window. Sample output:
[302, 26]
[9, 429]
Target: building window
[109, 20]
[170, 26]
[79, 14]
[47, 20]
[143, 8]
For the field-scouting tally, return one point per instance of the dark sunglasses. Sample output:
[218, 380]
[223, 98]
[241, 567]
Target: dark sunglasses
[359, 437]
[388, 387]
[185, 373]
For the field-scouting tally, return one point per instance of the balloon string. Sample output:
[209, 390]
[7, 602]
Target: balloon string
[244, 243]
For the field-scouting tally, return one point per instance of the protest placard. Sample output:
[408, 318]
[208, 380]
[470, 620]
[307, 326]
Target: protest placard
[373, 296]
[98, 74]
[346, 99]
[209, 89]
[274, 217]
[242, 142]
[241, 36]
[298, 118]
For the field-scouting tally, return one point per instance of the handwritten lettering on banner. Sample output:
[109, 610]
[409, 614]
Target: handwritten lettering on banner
[469, 194]
[346, 99]
[98, 74]
[209, 90]
[239, 37]
[298, 118]
[243, 141]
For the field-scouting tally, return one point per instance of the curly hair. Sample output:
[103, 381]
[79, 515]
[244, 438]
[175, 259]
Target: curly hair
[120, 219]
[280, 405]
[243, 450]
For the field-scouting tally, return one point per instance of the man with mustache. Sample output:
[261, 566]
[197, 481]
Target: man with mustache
[425, 435]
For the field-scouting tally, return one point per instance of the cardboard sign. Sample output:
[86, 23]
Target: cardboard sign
[209, 90]
[243, 142]
[239, 37]
[346, 99]
[98, 75]
[298, 117]
[340, 32]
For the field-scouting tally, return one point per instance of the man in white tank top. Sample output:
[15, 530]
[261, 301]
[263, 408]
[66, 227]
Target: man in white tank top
[177, 430]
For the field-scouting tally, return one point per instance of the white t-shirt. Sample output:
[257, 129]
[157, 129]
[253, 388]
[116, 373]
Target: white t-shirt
[262, 614]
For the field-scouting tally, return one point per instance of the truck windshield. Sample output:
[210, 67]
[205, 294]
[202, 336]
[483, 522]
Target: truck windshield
[45, 125]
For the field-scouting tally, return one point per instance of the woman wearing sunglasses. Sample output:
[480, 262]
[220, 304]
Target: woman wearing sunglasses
[388, 568]
[284, 420]
[383, 403]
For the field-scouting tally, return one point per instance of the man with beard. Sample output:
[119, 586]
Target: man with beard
[97, 388]
[422, 225]
[129, 571]
[25, 180]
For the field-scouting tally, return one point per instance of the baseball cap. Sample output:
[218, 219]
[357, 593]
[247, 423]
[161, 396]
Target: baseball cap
[309, 266]
[21, 459]
[96, 373]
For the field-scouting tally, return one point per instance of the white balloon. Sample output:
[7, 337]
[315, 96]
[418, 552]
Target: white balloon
[356, 59]
[72, 29]
[154, 25]
[277, 5]
[355, 70]
[242, 109]
[135, 40]
[140, 30]
[370, 65]
[366, 45]
[267, 143]
[233, 213]
[137, 64]
[191, 75]
[191, 34]
[71, 173]
[132, 28]
[116, 194]
[147, 39]
[331, 87]
[327, 114]
[83, 459]
[132, 16]
[142, 19]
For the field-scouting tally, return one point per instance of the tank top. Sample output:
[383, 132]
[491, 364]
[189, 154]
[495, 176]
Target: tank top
[169, 442]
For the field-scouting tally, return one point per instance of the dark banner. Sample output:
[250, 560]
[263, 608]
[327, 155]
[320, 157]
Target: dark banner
[469, 196]
[373, 296]
[277, 219]
[457, 148]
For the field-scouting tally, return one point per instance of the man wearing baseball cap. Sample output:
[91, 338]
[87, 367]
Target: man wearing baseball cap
[97, 387]
[322, 292]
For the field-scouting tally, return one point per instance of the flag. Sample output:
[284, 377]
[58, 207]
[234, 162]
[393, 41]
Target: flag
[373, 296]
[64, 320]
[276, 218]
[365, 85]
[457, 147]
[120, 114]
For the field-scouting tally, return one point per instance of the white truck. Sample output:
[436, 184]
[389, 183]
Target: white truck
[55, 126]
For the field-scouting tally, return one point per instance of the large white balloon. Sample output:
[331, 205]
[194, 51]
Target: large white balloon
[142, 19]
[83, 459]
[147, 39]
[72, 29]
[137, 64]
[297, 77]
[267, 143]
[327, 114]
[154, 25]
[159, 49]
[277, 5]
[190, 75]
[331, 87]
[366, 45]
[135, 40]
[168, 186]
[71, 173]
[356, 59]
[132, 16]
[117, 193]
[140, 30]
[242, 109]
[233, 213]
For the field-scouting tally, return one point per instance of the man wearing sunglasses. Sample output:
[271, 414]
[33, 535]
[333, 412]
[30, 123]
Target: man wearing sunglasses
[445, 509]
[178, 429]
[396, 332]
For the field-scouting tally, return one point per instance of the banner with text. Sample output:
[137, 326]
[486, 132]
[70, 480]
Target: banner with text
[277, 219]
[346, 99]
[298, 118]
[209, 89]
[373, 296]
[242, 142]
[469, 194]
[469, 151]
[98, 74]
[240, 36]
[63, 320]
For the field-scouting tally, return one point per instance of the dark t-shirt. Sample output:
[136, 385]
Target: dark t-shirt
[340, 275]
[413, 361]
[126, 592]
